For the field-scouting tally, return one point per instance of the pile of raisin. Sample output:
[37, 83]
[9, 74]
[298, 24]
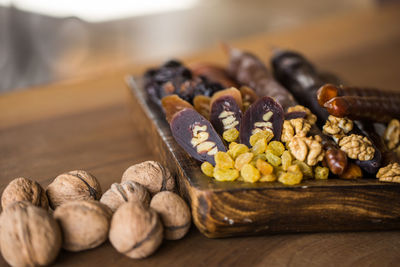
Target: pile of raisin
[174, 78]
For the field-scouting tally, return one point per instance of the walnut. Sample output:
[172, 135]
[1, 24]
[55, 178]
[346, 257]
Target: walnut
[22, 189]
[135, 231]
[307, 149]
[311, 118]
[152, 175]
[337, 127]
[389, 173]
[124, 192]
[29, 236]
[84, 224]
[73, 185]
[392, 134]
[174, 213]
[357, 147]
[294, 127]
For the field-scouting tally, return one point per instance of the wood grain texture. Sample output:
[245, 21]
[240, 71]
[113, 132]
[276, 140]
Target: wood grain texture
[86, 124]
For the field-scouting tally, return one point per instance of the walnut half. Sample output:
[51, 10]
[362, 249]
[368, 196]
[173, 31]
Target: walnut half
[392, 134]
[357, 147]
[307, 149]
[389, 173]
[295, 127]
[337, 127]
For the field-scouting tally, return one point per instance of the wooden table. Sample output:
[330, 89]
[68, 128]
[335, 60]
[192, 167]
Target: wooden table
[85, 124]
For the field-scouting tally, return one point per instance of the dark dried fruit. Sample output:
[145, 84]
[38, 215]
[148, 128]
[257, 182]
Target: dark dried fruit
[295, 115]
[264, 114]
[196, 135]
[213, 73]
[173, 104]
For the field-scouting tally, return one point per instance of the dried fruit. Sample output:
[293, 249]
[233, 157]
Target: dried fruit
[321, 173]
[249, 173]
[305, 169]
[352, 172]
[223, 160]
[225, 174]
[238, 149]
[201, 104]
[196, 135]
[243, 159]
[264, 167]
[207, 169]
[249, 96]
[267, 135]
[274, 160]
[276, 148]
[292, 177]
[231, 135]
[260, 146]
[172, 104]
[268, 178]
[174, 214]
[286, 160]
[264, 114]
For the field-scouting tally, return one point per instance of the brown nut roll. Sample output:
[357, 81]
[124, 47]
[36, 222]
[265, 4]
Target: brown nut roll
[73, 185]
[135, 231]
[124, 192]
[174, 214]
[29, 236]
[84, 223]
[22, 189]
[152, 175]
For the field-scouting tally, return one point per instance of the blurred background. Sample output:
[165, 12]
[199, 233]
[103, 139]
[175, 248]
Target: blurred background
[44, 41]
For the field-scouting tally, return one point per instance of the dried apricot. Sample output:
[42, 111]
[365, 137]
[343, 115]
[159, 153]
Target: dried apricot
[274, 160]
[225, 174]
[264, 167]
[250, 173]
[231, 135]
[207, 168]
[276, 148]
[238, 149]
[223, 160]
[286, 160]
[321, 173]
[260, 146]
[243, 159]
[259, 135]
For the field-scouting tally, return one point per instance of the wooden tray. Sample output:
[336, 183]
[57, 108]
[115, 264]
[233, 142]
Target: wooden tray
[223, 209]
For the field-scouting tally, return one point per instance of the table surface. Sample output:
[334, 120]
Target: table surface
[86, 124]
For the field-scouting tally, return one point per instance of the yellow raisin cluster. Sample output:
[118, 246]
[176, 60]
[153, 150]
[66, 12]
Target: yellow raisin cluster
[265, 161]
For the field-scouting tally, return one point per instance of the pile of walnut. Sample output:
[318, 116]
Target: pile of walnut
[135, 215]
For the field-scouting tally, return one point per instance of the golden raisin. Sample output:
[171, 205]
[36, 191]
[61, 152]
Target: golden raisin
[294, 169]
[260, 146]
[268, 178]
[223, 160]
[305, 169]
[276, 148]
[278, 170]
[232, 144]
[250, 173]
[243, 159]
[259, 135]
[321, 173]
[286, 160]
[230, 135]
[207, 168]
[290, 178]
[274, 160]
[264, 167]
[225, 174]
[238, 149]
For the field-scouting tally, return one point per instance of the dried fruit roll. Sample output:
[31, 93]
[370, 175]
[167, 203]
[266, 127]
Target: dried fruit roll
[226, 110]
[172, 104]
[196, 135]
[364, 108]
[213, 73]
[329, 91]
[264, 114]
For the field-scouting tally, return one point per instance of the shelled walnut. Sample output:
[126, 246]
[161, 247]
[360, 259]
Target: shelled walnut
[357, 147]
[135, 231]
[389, 173]
[84, 224]
[311, 118]
[22, 189]
[29, 236]
[124, 192]
[307, 149]
[392, 134]
[337, 127]
[174, 213]
[294, 127]
[73, 185]
[152, 175]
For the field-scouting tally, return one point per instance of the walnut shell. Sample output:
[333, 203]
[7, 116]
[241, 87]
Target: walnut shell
[84, 223]
[152, 175]
[135, 231]
[22, 189]
[73, 185]
[29, 236]
[174, 214]
[124, 192]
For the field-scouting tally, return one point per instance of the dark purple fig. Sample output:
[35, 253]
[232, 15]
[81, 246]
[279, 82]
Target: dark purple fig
[264, 114]
[196, 135]
[295, 115]
[225, 114]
